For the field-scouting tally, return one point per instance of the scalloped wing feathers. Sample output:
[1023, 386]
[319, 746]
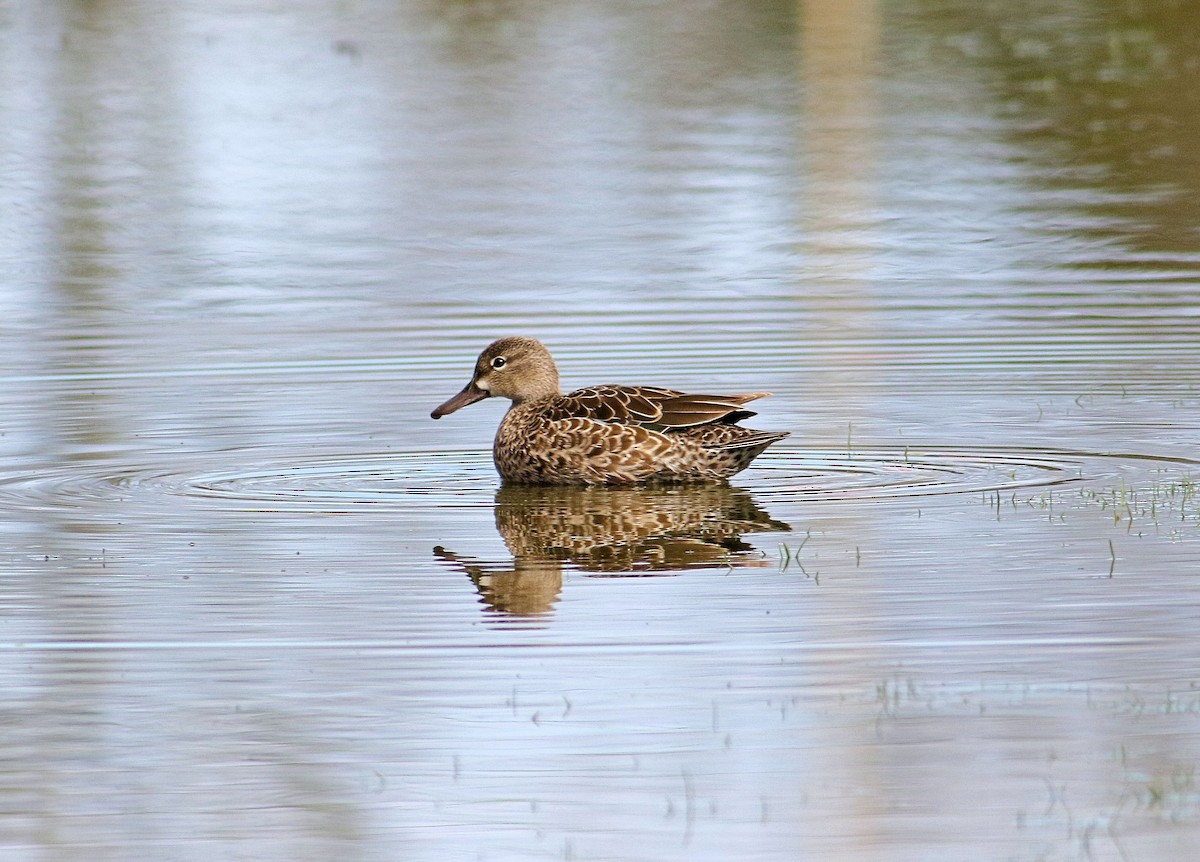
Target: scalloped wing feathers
[651, 406]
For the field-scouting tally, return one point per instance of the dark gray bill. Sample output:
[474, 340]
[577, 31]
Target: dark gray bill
[469, 395]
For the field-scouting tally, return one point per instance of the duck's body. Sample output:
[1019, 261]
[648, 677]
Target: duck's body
[617, 435]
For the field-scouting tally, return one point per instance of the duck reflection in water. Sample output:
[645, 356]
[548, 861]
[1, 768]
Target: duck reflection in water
[611, 532]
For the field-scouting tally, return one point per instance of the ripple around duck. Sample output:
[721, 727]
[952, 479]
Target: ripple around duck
[401, 481]
[390, 480]
[910, 472]
[907, 472]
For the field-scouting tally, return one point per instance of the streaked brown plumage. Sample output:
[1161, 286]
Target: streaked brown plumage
[617, 435]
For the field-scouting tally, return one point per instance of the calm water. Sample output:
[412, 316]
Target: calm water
[255, 604]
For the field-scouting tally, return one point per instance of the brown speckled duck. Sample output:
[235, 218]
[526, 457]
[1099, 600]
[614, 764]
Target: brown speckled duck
[615, 435]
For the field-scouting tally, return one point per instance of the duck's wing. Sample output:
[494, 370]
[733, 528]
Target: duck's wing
[652, 407]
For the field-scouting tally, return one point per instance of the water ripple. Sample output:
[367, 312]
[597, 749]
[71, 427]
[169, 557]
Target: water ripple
[408, 480]
[907, 472]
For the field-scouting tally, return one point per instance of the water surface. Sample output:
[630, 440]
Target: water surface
[255, 604]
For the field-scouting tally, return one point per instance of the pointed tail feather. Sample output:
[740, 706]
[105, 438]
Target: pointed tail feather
[752, 440]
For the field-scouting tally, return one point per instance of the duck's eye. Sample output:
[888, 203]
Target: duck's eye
[499, 362]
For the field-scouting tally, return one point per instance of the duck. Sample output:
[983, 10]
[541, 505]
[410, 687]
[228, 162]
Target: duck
[608, 434]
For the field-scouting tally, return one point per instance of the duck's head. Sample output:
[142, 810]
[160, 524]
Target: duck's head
[520, 369]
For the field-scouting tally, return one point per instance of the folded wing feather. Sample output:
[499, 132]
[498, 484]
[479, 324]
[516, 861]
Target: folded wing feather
[653, 407]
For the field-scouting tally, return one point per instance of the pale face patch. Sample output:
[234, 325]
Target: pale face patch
[483, 384]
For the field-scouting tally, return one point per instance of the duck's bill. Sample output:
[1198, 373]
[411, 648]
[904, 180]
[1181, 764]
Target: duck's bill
[469, 395]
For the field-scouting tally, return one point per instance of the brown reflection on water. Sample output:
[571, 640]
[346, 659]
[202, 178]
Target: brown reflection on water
[838, 65]
[1109, 103]
[611, 531]
[838, 57]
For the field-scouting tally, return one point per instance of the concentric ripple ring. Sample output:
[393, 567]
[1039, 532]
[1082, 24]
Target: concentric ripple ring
[405, 480]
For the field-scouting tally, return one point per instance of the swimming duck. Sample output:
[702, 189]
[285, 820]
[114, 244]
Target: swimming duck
[608, 434]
